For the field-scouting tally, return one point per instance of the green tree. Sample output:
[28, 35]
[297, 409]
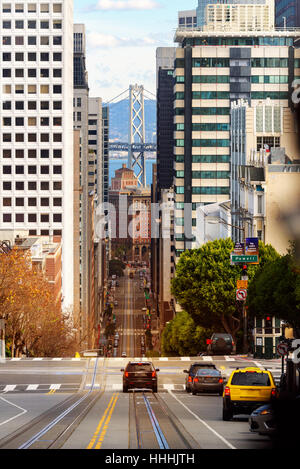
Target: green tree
[182, 337]
[116, 267]
[205, 284]
[275, 291]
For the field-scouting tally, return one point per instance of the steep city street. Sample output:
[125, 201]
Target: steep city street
[79, 403]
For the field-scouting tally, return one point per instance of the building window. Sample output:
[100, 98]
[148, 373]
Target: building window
[6, 218]
[32, 202]
[20, 217]
[31, 40]
[260, 204]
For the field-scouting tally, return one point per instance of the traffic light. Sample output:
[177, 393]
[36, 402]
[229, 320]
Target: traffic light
[268, 325]
[245, 269]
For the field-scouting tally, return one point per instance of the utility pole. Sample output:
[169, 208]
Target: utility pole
[245, 318]
[5, 249]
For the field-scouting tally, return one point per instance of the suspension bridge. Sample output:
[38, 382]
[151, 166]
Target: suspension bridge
[136, 146]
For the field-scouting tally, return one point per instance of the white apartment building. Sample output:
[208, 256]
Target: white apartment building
[36, 115]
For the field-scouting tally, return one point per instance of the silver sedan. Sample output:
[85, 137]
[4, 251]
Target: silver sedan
[261, 421]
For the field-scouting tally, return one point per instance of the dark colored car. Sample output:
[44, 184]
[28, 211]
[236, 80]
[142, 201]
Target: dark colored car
[207, 380]
[191, 373]
[220, 344]
[139, 376]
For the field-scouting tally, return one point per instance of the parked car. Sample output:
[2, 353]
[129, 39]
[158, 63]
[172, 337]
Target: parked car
[262, 421]
[207, 380]
[191, 373]
[220, 344]
[246, 390]
[139, 376]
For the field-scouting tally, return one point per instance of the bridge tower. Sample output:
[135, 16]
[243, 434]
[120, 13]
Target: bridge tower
[136, 159]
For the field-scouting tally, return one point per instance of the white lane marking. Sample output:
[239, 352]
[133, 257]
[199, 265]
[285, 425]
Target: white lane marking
[229, 359]
[32, 387]
[55, 386]
[259, 365]
[16, 359]
[117, 387]
[185, 359]
[169, 387]
[163, 359]
[16, 416]
[203, 422]
[57, 359]
[9, 387]
[37, 359]
[75, 360]
[207, 359]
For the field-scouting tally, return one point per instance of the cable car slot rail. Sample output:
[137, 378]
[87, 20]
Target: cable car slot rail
[156, 426]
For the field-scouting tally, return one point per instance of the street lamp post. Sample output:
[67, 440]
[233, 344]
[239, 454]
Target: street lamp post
[5, 249]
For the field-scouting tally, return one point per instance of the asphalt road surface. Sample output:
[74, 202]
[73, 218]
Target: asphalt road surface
[79, 403]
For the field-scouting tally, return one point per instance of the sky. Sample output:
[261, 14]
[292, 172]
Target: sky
[122, 37]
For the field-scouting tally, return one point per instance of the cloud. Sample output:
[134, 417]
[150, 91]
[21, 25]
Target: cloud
[126, 5]
[99, 41]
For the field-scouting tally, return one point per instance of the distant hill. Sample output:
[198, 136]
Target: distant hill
[119, 121]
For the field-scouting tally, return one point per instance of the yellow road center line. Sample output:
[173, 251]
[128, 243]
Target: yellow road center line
[92, 442]
[105, 427]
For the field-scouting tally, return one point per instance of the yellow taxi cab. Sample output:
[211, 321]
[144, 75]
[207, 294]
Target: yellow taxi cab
[246, 390]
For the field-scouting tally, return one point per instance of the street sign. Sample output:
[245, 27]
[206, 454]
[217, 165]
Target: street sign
[235, 259]
[259, 341]
[252, 246]
[242, 284]
[239, 249]
[282, 349]
[241, 295]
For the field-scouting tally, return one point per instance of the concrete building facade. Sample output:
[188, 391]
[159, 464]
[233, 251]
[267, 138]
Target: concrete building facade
[208, 78]
[36, 156]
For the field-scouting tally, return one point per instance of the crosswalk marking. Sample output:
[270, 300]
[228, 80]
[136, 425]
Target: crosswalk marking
[55, 387]
[32, 387]
[9, 388]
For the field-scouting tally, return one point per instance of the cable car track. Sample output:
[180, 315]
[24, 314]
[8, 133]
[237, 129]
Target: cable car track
[51, 429]
[155, 426]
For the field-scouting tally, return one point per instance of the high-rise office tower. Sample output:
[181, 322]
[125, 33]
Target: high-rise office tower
[105, 151]
[36, 156]
[80, 117]
[96, 147]
[287, 13]
[208, 78]
[165, 59]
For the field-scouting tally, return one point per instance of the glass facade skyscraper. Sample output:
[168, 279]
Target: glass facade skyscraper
[287, 13]
[202, 4]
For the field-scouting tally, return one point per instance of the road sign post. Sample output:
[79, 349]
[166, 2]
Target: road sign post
[282, 350]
